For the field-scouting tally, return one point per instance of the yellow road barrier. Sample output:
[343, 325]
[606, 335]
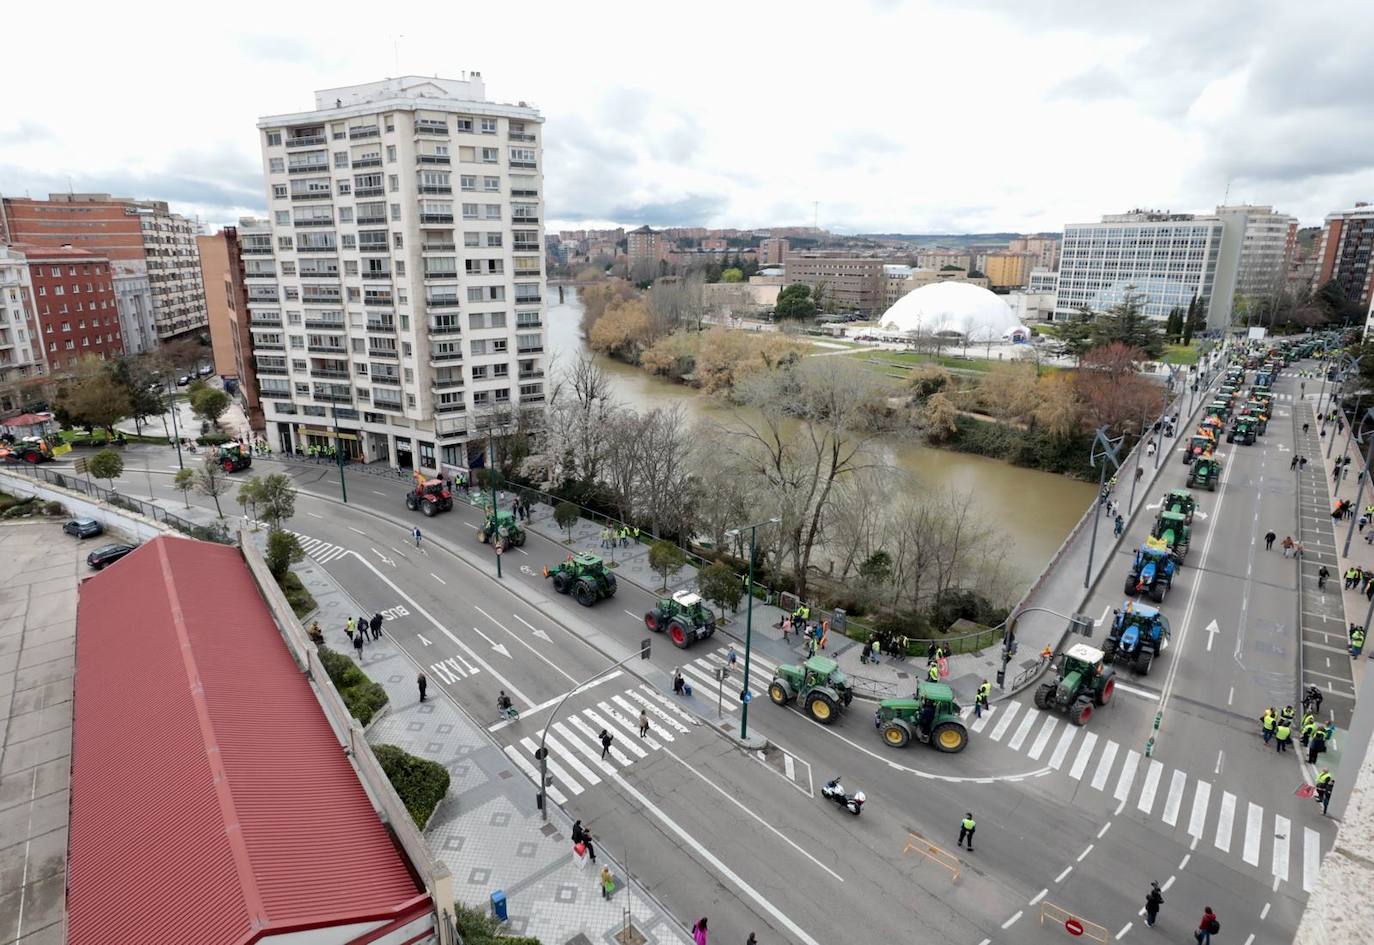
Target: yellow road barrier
[938, 855]
[1059, 914]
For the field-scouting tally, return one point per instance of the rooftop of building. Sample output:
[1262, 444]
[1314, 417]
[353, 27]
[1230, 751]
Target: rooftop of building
[407, 93]
[40, 254]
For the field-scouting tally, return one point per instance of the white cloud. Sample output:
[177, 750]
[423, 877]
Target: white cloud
[950, 115]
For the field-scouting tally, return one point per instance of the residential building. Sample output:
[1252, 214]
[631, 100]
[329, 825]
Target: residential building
[1045, 249]
[226, 298]
[21, 341]
[143, 241]
[74, 300]
[940, 258]
[898, 280]
[846, 283]
[773, 251]
[1343, 252]
[1257, 246]
[1008, 270]
[399, 309]
[1168, 258]
[644, 244]
[715, 245]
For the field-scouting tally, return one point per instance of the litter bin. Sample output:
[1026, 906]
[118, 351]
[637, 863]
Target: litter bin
[498, 905]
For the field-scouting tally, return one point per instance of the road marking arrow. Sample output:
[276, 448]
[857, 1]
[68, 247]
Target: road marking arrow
[425, 640]
[1200, 514]
[498, 647]
[385, 559]
[537, 632]
[1154, 506]
[1211, 629]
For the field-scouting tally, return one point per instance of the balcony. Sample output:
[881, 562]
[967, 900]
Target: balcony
[273, 321]
[330, 248]
[308, 168]
[272, 369]
[391, 354]
[524, 193]
[517, 136]
[328, 372]
[324, 298]
[444, 302]
[268, 345]
[390, 380]
[451, 427]
[424, 127]
[529, 165]
[363, 131]
[436, 218]
[445, 357]
[317, 274]
[445, 274]
[432, 159]
[255, 250]
[371, 221]
[367, 162]
[530, 375]
[337, 351]
[382, 299]
[529, 326]
[325, 324]
[334, 395]
[438, 247]
[535, 349]
[453, 406]
[532, 398]
[260, 296]
[527, 273]
[385, 404]
[381, 324]
[305, 141]
[520, 247]
[528, 299]
[445, 383]
[445, 326]
[314, 195]
[377, 275]
[524, 221]
[368, 192]
[260, 275]
[435, 189]
[323, 221]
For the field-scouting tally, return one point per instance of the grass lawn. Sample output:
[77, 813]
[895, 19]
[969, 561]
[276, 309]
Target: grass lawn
[1180, 354]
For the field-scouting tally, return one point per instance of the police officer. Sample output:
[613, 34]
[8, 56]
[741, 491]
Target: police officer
[966, 827]
[1325, 782]
[1283, 734]
[1309, 726]
[1267, 724]
[1287, 715]
[933, 672]
[980, 701]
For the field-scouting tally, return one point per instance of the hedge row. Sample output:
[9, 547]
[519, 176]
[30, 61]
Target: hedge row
[363, 697]
[421, 783]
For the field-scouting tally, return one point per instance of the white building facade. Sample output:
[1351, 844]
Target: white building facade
[134, 302]
[21, 346]
[397, 297]
[1257, 246]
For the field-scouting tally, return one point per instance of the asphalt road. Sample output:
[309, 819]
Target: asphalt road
[1069, 818]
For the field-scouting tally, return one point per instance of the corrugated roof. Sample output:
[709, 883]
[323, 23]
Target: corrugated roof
[211, 801]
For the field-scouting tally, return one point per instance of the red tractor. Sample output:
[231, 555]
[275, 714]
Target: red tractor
[430, 497]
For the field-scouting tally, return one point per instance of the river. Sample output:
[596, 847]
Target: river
[1033, 509]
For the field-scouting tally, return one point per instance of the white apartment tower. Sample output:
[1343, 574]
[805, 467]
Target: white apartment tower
[399, 297]
[21, 346]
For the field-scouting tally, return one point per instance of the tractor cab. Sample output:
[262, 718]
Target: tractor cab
[584, 576]
[430, 496]
[1171, 528]
[930, 716]
[1219, 408]
[1205, 473]
[501, 527]
[692, 605]
[818, 685]
[1181, 501]
[1082, 658]
[822, 670]
[1198, 447]
[233, 457]
[1138, 635]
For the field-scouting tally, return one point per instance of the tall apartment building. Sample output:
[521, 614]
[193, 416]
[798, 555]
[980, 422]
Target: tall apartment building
[939, 258]
[1343, 252]
[1169, 258]
[1007, 270]
[773, 251]
[21, 341]
[400, 297]
[74, 300]
[226, 300]
[1257, 245]
[151, 250]
[644, 244]
[1045, 249]
[849, 283]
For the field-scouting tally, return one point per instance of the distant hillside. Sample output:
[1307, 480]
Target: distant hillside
[950, 239]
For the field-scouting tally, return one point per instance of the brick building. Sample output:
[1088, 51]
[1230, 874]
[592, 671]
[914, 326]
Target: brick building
[226, 303]
[848, 283]
[21, 348]
[74, 298]
[1344, 251]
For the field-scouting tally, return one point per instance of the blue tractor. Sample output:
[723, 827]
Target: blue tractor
[1138, 636]
[1152, 572]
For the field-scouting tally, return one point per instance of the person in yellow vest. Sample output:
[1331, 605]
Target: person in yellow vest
[1356, 642]
[1283, 734]
[933, 672]
[980, 701]
[1267, 724]
[1325, 782]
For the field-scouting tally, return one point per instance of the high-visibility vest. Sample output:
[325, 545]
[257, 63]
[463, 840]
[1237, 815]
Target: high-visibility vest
[1268, 722]
[984, 690]
[1324, 778]
[1283, 732]
[968, 823]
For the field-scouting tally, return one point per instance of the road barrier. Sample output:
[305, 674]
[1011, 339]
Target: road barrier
[1074, 924]
[937, 855]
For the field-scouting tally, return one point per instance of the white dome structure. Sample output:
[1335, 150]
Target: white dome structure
[954, 309]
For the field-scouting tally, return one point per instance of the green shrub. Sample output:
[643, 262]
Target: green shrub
[301, 600]
[479, 927]
[20, 508]
[213, 439]
[363, 697]
[54, 508]
[421, 783]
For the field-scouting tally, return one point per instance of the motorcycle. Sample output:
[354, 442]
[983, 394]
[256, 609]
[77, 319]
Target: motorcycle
[833, 790]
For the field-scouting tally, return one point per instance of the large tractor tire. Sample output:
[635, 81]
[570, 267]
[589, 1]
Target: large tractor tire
[897, 733]
[1144, 659]
[780, 692]
[1081, 711]
[1108, 651]
[228, 465]
[428, 509]
[651, 621]
[679, 633]
[1042, 695]
[1181, 551]
[482, 535]
[446, 505]
[1158, 591]
[950, 737]
[1108, 689]
[519, 539]
[410, 503]
[584, 594]
[1130, 586]
[610, 589]
[562, 581]
[822, 708]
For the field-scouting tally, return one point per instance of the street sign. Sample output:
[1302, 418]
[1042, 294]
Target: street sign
[80, 465]
[1074, 927]
[746, 697]
[498, 551]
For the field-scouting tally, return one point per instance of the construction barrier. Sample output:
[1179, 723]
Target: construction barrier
[1080, 925]
[938, 855]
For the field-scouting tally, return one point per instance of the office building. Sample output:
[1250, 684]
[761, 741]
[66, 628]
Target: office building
[21, 343]
[773, 251]
[1167, 258]
[1045, 249]
[847, 283]
[151, 251]
[75, 304]
[397, 311]
[1343, 252]
[226, 300]
[1043, 280]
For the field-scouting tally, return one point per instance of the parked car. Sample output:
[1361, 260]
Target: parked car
[206, 370]
[107, 555]
[183, 380]
[84, 528]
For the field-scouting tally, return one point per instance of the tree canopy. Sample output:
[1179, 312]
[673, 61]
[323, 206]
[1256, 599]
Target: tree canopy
[795, 301]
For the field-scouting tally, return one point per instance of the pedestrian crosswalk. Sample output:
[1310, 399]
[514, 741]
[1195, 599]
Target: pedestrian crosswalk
[1176, 798]
[319, 550]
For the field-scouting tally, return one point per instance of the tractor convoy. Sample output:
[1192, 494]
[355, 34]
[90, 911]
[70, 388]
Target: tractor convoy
[430, 496]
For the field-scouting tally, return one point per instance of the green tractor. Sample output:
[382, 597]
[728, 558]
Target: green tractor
[1259, 410]
[584, 576]
[501, 527]
[1199, 445]
[1171, 528]
[1180, 501]
[1204, 473]
[1243, 431]
[931, 716]
[1219, 408]
[1083, 681]
[818, 684]
[683, 617]
[232, 457]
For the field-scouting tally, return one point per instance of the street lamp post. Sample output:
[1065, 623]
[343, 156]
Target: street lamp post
[748, 621]
[1078, 624]
[1104, 450]
[339, 453]
[176, 436]
[1359, 493]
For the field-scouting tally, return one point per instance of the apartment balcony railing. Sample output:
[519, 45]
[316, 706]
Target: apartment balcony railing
[445, 356]
[530, 375]
[263, 297]
[273, 321]
[438, 247]
[323, 298]
[336, 351]
[377, 275]
[256, 250]
[528, 299]
[524, 193]
[313, 195]
[308, 168]
[520, 247]
[432, 159]
[382, 300]
[527, 273]
[327, 221]
[522, 326]
[446, 274]
[381, 404]
[524, 221]
[534, 349]
[268, 346]
[390, 354]
[444, 326]
[435, 189]
[364, 131]
[334, 396]
[454, 406]
[449, 427]
[381, 324]
[436, 218]
[531, 398]
[260, 275]
[518, 136]
[324, 324]
[370, 221]
[442, 303]
[368, 192]
[329, 372]
[271, 369]
[390, 380]
[305, 141]
[423, 127]
[367, 162]
[441, 383]
[320, 275]
[331, 248]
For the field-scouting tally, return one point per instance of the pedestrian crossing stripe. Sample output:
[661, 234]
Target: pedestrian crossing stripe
[1032, 732]
[319, 550]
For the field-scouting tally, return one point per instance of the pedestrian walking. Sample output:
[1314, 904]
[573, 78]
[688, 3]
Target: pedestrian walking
[1298, 550]
[699, 931]
[966, 828]
[606, 739]
[1153, 900]
[1287, 545]
[1118, 524]
[358, 639]
[980, 701]
[1322, 575]
[583, 836]
[866, 653]
[1293, 463]
[416, 535]
[933, 672]
[348, 629]
[422, 684]
[1302, 462]
[643, 722]
[751, 940]
[607, 882]
[731, 656]
[1208, 927]
[1269, 537]
[376, 625]
[877, 649]
[1305, 428]
[1325, 782]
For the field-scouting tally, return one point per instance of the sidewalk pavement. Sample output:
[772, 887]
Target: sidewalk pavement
[487, 830]
[37, 656]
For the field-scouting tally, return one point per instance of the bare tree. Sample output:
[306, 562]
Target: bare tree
[581, 406]
[664, 470]
[677, 302]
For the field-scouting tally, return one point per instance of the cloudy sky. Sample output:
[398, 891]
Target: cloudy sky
[936, 116]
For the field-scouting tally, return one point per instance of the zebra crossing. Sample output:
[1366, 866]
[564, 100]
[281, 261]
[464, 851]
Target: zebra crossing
[701, 674]
[1236, 822]
[321, 551]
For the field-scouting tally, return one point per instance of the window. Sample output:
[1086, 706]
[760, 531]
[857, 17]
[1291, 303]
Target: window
[276, 165]
[465, 124]
[397, 241]
[284, 242]
[401, 270]
[491, 185]
[393, 182]
[488, 126]
[340, 159]
[56, 270]
[491, 155]
[345, 214]
[468, 181]
[469, 239]
[469, 211]
[288, 269]
[479, 371]
[391, 154]
[395, 212]
[283, 217]
[279, 191]
[274, 139]
[477, 348]
[500, 370]
[345, 187]
[493, 211]
[522, 157]
[350, 267]
[390, 123]
[350, 241]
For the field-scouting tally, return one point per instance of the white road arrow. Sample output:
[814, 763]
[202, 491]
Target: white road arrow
[498, 647]
[423, 639]
[385, 559]
[1154, 506]
[1198, 513]
[533, 629]
[1211, 629]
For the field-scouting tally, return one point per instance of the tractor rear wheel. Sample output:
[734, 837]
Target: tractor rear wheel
[519, 539]
[584, 593]
[1142, 662]
[679, 634]
[561, 582]
[950, 737]
[428, 509]
[1108, 651]
[780, 692]
[410, 503]
[1181, 551]
[1081, 712]
[897, 733]
[1104, 695]
[1130, 585]
[1042, 696]
[482, 535]
[228, 465]
[1158, 591]
[822, 708]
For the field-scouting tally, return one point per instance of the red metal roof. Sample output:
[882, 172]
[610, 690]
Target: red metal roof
[211, 801]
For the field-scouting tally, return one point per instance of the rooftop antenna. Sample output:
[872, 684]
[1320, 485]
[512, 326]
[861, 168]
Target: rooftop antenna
[1226, 199]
